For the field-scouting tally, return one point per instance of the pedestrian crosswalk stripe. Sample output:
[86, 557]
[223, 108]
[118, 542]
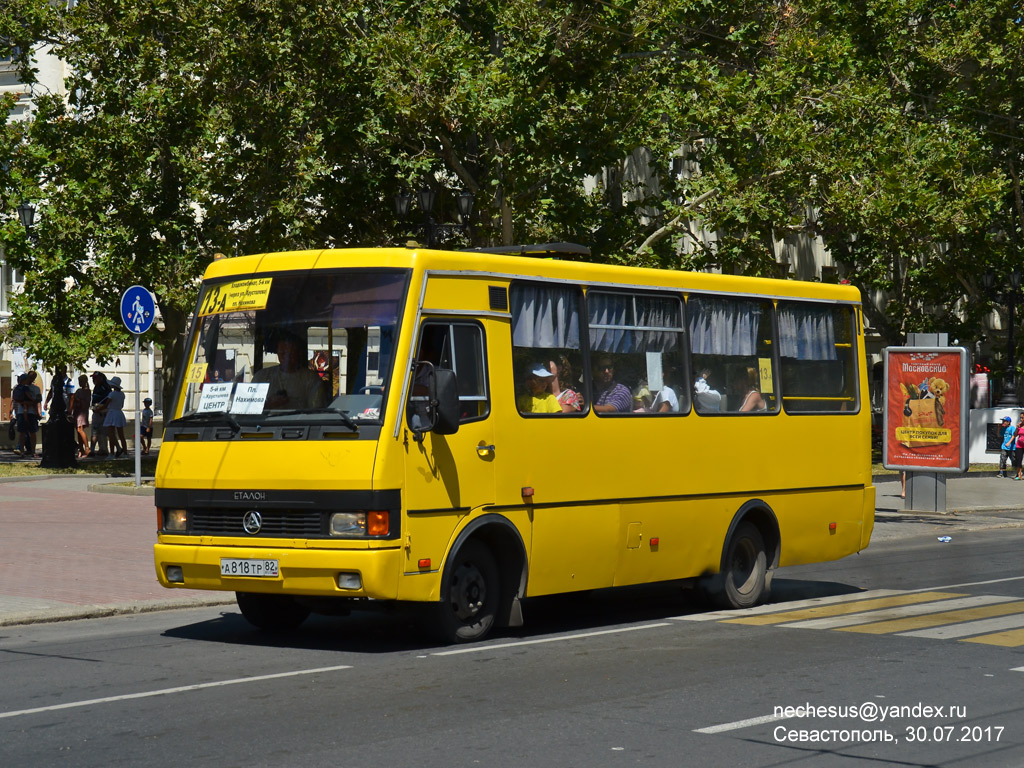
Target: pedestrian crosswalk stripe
[1013, 638]
[795, 604]
[840, 609]
[957, 631]
[913, 612]
[935, 619]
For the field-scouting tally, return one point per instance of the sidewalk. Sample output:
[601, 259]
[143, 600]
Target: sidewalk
[81, 546]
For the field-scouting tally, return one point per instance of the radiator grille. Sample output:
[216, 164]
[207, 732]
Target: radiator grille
[276, 522]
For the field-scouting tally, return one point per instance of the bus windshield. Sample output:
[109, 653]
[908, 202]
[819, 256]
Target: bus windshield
[314, 346]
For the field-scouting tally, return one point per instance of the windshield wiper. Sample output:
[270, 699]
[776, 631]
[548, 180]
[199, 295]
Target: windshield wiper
[215, 416]
[343, 415]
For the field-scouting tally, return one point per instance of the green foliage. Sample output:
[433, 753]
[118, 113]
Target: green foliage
[889, 128]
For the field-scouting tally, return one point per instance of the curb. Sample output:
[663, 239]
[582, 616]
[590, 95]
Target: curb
[124, 490]
[75, 612]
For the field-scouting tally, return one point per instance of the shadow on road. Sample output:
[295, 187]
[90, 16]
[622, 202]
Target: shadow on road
[407, 629]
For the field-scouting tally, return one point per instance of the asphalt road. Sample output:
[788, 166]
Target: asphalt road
[636, 677]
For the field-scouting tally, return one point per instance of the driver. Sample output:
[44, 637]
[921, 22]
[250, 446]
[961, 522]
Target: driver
[293, 384]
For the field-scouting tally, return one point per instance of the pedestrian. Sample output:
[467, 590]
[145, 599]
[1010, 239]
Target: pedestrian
[1018, 452]
[33, 399]
[98, 437]
[19, 397]
[146, 428]
[114, 419]
[56, 404]
[80, 402]
[1008, 444]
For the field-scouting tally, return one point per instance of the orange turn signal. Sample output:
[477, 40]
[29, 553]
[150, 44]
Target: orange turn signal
[377, 523]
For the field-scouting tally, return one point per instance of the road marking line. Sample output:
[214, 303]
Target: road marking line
[166, 691]
[970, 584]
[955, 631]
[741, 724]
[844, 608]
[788, 606]
[935, 619]
[538, 641]
[921, 612]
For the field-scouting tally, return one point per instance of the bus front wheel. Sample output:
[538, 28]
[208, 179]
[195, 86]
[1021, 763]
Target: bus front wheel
[469, 605]
[746, 567]
[271, 613]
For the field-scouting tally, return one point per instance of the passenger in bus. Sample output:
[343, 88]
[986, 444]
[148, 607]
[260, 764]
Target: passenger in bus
[293, 384]
[612, 397]
[538, 397]
[708, 400]
[667, 400]
[561, 385]
[752, 399]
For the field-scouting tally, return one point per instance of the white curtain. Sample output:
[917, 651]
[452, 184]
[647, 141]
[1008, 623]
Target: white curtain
[723, 326]
[622, 323]
[807, 333]
[545, 317]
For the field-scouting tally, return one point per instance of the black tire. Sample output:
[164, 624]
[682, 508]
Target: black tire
[469, 604]
[271, 613]
[744, 568]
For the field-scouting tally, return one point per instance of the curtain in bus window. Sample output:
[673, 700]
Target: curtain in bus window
[806, 333]
[621, 323]
[723, 326]
[544, 317]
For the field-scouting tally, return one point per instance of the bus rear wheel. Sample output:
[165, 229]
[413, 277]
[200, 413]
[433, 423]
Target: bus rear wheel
[745, 567]
[469, 605]
[271, 613]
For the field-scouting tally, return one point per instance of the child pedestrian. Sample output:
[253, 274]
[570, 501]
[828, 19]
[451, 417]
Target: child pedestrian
[1008, 445]
[146, 427]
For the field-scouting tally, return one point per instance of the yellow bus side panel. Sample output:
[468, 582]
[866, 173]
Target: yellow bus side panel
[571, 549]
[302, 571]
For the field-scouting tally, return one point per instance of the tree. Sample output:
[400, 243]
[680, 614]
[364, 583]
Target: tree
[887, 128]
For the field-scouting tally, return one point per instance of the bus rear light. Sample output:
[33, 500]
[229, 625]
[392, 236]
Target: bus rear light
[831, 528]
[424, 563]
[377, 523]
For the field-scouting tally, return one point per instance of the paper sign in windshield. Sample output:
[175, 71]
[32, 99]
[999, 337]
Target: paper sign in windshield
[249, 398]
[215, 398]
[239, 296]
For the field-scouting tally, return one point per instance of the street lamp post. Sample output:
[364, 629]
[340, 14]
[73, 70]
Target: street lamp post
[436, 232]
[1010, 296]
[58, 432]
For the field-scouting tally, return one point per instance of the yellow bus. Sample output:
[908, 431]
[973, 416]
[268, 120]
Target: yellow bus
[361, 427]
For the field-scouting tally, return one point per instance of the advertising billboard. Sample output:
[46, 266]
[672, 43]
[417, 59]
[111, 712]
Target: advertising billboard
[926, 419]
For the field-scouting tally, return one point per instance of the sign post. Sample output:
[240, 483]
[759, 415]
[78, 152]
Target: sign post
[138, 310]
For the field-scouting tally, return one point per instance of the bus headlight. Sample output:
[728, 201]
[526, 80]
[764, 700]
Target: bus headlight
[348, 524]
[372, 523]
[176, 520]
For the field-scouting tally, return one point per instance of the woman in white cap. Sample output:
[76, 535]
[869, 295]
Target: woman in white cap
[115, 421]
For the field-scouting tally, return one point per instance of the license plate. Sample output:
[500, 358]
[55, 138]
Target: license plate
[233, 566]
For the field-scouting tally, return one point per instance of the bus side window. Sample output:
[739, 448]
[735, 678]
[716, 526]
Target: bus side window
[817, 355]
[546, 355]
[637, 344]
[732, 354]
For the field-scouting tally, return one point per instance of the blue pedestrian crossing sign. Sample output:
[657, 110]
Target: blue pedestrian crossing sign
[138, 309]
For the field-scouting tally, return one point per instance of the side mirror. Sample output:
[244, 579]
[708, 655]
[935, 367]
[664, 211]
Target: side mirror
[447, 403]
[434, 401]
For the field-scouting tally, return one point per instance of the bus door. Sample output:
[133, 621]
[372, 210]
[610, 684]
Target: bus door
[449, 475]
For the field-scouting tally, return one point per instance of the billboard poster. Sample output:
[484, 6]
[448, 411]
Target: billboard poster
[926, 401]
